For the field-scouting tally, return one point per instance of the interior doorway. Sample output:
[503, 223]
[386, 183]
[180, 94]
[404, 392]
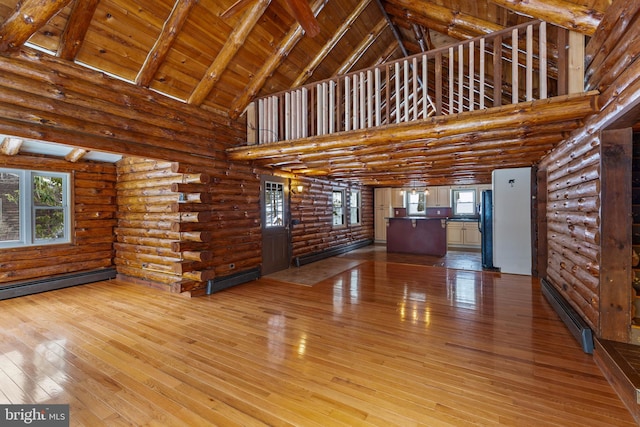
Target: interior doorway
[276, 239]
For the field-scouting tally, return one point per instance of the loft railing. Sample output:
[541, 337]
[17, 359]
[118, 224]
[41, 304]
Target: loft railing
[505, 67]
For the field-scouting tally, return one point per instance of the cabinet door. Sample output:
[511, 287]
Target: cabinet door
[397, 198]
[382, 197]
[380, 223]
[455, 233]
[471, 234]
[444, 196]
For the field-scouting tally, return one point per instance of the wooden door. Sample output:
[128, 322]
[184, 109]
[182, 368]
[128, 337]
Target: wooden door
[276, 250]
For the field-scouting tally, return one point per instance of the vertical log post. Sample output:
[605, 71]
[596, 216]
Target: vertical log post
[615, 258]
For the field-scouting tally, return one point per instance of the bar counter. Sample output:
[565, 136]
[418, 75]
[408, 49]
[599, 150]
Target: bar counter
[417, 235]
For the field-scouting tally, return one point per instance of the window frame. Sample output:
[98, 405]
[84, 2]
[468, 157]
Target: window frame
[355, 209]
[27, 209]
[335, 213]
[454, 205]
[408, 204]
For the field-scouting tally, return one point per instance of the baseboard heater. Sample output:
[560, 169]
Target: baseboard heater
[317, 256]
[576, 324]
[58, 282]
[221, 283]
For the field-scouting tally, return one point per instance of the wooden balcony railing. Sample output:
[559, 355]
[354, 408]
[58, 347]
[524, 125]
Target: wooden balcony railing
[506, 67]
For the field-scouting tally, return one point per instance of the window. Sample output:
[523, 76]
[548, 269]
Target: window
[274, 204]
[338, 207]
[355, 207]
[35, 208]
[464, 202]
[416, 203]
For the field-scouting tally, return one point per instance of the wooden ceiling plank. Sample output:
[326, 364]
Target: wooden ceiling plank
[164, 42]
[235, 41]
[28, 17]
[330, 44]
[362, 47]
[562, 13]
[459, 21]
[293, 36]
[75, 155]
[76, 28]
[10, 146]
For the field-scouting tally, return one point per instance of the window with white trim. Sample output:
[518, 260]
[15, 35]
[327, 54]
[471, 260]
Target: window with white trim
[35, 208]
[464, 202]
[354, 207]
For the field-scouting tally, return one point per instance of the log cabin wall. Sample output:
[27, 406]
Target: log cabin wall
[315, 232]
[574, 174]
[94, 210]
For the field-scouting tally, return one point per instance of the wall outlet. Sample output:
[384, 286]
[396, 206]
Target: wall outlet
[438, 212]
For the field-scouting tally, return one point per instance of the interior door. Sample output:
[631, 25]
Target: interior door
[275, 224]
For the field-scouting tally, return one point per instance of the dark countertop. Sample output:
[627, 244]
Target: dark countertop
[417, 217]
[463, 219]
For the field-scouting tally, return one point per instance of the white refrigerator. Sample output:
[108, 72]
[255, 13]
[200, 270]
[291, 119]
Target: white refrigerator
[512, 220]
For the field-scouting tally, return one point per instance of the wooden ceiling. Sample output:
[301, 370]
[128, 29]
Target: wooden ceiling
[186, 50]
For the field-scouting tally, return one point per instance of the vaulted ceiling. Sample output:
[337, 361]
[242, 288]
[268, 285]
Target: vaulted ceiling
[219, 55]
[190, 50]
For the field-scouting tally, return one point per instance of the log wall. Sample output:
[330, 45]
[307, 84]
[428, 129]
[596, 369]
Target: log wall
[313, 208]
[574, 168]
[94, 213]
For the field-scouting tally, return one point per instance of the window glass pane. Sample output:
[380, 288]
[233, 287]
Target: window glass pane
[9, 207]
[49, 224]
[274, 204]
[338, 208]
[355, 207]
[416, 203]
[464, 202]
[47, 190]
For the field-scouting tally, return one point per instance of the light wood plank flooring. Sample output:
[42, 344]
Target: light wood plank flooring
[384, 343]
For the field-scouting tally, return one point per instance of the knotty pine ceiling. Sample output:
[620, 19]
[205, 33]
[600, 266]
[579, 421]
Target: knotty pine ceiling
[123, 38]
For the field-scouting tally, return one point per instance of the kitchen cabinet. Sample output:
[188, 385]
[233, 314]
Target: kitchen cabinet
[439, 197]
[384, 200]
[464, 234]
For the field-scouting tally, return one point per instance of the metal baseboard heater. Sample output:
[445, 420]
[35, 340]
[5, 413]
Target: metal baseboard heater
[221, 283]
[317, 256]
[576, 324]
[58, 282]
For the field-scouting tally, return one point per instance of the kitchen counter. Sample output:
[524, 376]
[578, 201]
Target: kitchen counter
[463, 219]
[417, 235]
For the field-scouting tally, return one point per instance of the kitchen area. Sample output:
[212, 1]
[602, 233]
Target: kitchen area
[434, 202]
[494, 219]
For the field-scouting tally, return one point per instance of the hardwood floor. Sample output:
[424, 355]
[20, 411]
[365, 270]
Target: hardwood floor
[384, 343]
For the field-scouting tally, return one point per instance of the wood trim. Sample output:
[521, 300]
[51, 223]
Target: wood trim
[615, 234]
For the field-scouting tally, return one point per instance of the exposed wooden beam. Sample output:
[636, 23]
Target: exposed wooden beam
[234, 42]
[562, 13]
[165, 41]
[330, 44]
[28, 17]
[75, 155]
[77, 25]
[10, 146]
[453, 22]
[292, 37]
[362, 47]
